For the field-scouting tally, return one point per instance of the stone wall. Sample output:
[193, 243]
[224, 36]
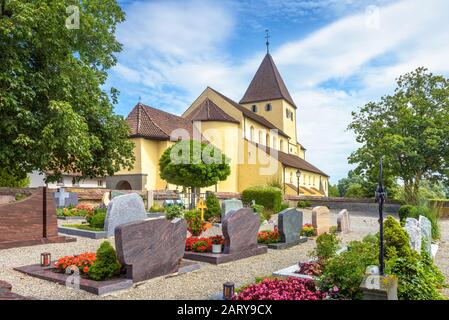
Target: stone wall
[351, 204]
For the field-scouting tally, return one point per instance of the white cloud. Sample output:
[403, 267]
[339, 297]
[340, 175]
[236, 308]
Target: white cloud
[174, 50]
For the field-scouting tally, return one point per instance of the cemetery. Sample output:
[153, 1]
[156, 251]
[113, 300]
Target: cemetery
[297, 253]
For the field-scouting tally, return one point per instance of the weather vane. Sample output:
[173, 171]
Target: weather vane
[267, 36]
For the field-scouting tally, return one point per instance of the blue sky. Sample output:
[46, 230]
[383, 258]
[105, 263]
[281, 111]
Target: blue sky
[334, 55]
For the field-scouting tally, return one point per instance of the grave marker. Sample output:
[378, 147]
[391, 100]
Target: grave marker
[321, 219]
[343, 221]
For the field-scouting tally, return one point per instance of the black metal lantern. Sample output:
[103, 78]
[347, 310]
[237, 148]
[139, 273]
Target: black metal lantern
[381, 195]
[228, 290]
[45, 259]
[298, 175]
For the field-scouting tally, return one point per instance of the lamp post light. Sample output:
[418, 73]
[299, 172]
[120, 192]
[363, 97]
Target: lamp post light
[298, 175]
[381, 195]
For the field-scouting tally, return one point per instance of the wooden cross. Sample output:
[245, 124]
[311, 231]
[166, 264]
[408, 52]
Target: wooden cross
[201, 206]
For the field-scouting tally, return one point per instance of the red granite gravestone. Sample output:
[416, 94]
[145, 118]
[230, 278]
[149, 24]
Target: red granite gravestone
[151, 248]
[30, 221]
[240, 228]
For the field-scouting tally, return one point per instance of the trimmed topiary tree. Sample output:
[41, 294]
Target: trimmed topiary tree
[106, 265]
[213, 207]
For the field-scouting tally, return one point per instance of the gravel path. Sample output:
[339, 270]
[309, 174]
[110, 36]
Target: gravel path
[201, 284]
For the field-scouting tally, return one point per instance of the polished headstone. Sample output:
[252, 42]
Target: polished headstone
[124, 209]
[229, 205]
[321, 217]
[240, 228]
[343, 221]
[151, 248]
[289, 224]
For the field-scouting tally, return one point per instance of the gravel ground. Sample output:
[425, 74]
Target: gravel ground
[201, 284]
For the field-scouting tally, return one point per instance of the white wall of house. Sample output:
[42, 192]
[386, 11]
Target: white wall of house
[37, 180]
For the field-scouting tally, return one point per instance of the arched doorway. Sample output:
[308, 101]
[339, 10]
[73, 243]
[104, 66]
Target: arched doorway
[123, 185]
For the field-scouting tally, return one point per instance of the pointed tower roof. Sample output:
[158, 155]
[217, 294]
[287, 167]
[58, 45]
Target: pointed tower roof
[267, 84]
[209, 111]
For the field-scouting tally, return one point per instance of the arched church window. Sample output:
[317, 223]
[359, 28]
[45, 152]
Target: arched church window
[267, 140]
[274, 143]
[268, 107]
[251, 133]
[281, 145]
[254, 108]
[260, 136]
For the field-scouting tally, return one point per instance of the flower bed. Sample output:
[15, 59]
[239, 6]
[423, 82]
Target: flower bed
[79, 210]
[311, 268]
[308, 230]
[203, 244]
[83, 261]
[286, 289]
[268, 236]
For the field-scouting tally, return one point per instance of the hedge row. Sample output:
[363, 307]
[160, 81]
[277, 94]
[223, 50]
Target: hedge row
[269, 197]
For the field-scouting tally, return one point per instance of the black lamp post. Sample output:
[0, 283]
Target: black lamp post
[298, 175]
[381, 194]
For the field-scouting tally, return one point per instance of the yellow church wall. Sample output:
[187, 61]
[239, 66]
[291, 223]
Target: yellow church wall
[255, 170]
[225, 136]
[307, 179]
[289, 126]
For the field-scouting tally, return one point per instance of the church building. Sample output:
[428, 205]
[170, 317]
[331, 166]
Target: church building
[258, 134]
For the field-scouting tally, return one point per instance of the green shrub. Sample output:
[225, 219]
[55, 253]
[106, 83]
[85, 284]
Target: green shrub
[173, 212]
[284, 206]
[355, 191]
[213, 211]
[97, 220]
[304, 204]
[404, 212]
[156, 208]
[347, 269]
[395, 238]
[326, 246]
[429, 213]
[106, 265]
[269, 197]
[257, 208]
[418, 277]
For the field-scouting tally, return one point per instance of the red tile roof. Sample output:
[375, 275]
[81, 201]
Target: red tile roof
[148, 122]
[291, 160]
[209, 111]
[267, 84]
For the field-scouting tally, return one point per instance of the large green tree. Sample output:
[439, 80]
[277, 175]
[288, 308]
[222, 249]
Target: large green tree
[410, 129]
[55, 112]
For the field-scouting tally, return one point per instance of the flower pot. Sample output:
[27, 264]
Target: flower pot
[216, 248]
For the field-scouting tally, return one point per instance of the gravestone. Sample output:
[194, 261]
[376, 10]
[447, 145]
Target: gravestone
[240, 228]
[124, 209]
[289, 225]
[115, 193]
[229, 205]
[343, 221]
[414, 233]
[106, 199]
[426, 233]
[150, 248]
[64, 199]
[321, 219]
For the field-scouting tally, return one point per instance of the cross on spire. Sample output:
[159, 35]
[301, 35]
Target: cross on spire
[267, 43]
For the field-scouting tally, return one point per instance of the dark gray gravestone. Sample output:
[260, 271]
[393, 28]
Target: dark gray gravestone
[64, 199]
[124, 209]
[290, 225]
[240, 230]
[151, 248]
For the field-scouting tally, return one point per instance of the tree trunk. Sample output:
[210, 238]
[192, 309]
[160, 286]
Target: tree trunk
[192, 198]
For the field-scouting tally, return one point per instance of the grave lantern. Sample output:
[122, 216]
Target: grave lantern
[45, 259]
[228, 290]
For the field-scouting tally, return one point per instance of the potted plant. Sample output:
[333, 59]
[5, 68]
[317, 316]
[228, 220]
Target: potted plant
[217, 244]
